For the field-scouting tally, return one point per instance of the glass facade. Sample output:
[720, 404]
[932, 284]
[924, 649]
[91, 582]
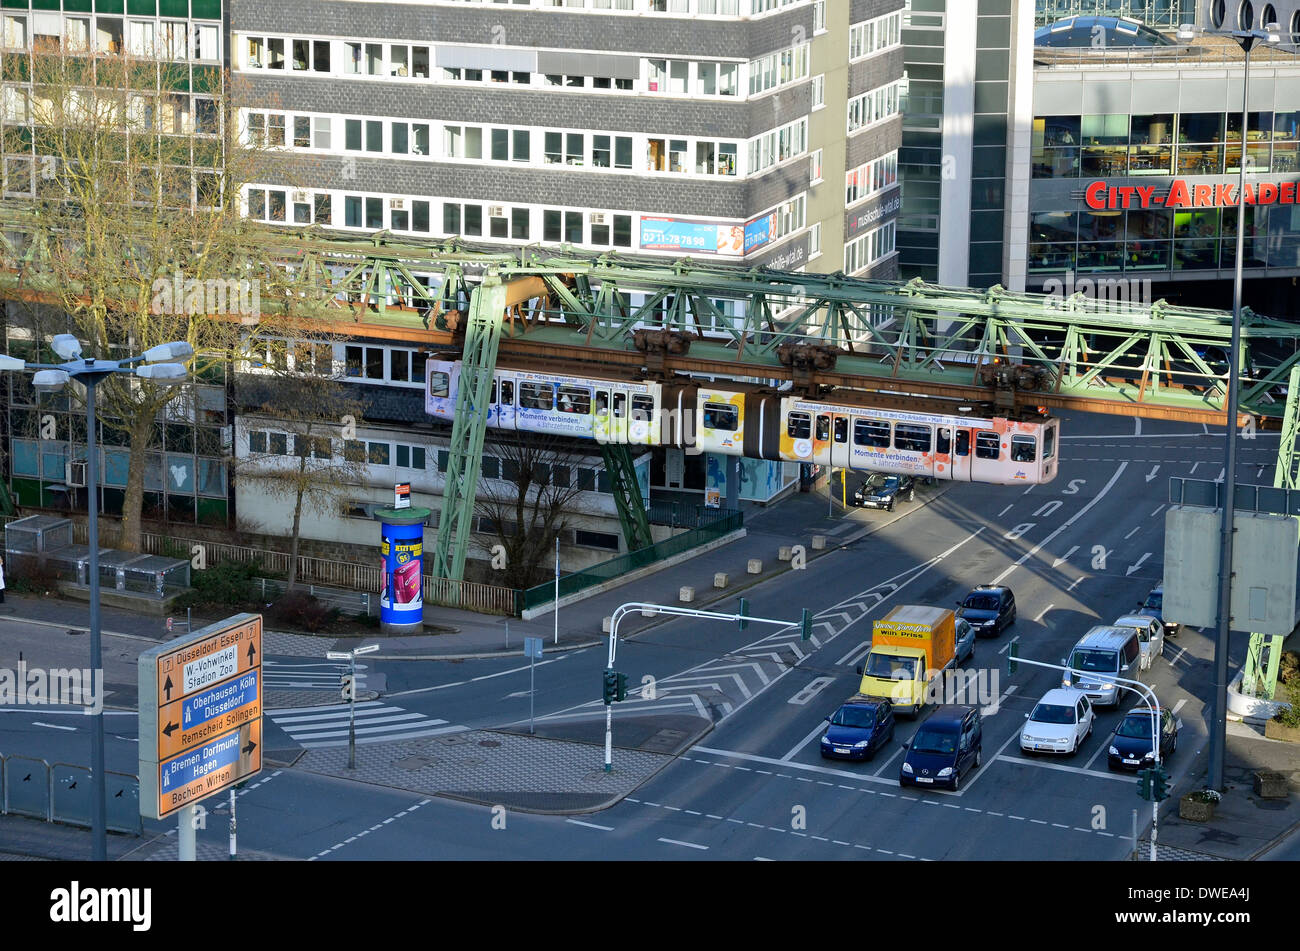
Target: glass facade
[1157, 13]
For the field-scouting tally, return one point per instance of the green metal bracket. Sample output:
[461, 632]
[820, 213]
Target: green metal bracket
[1263, 658]
[465, 453]
[627, 495]
[1286, 475]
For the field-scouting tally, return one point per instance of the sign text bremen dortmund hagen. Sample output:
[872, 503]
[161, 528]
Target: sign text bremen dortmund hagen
[1101, 196]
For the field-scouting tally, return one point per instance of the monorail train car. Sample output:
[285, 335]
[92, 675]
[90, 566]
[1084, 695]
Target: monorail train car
[841, 429]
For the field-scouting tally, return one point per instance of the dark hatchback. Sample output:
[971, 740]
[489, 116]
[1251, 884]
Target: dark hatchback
[990, 609]
[881, 491]
[1131, 746]
[948, 744]
[1154, 606]
[857, 729]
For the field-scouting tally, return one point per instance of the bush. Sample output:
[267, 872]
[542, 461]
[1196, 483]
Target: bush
[1290, 716]
[299, 609]
[224, 585]
[27, 574]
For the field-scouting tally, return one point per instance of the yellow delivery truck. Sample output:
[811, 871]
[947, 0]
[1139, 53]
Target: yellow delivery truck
[910, 646]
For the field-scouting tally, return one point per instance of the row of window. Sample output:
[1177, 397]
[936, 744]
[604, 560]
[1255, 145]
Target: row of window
[874, 105]
[870, 177]
[912, 437]
[681, 7]
[777, 146]
[176, 40]
[170, 113]
[864, 251]
[779, 68]
[873, 36]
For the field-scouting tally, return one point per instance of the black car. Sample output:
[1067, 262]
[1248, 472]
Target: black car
[857, 729]
[1154, 606]
[990, 609]
[1131, 746]
[949, 743]
[880, 491]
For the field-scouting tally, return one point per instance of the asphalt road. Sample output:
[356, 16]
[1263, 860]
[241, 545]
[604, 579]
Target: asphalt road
[1078, 552]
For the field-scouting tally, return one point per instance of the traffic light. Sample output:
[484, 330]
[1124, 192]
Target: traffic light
[743, 612]
[1145, 783]
[805, 625]
[1013, 651]
[1159, 784]
[620, 687]
[610, 686]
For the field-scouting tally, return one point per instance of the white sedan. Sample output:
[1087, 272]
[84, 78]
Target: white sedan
[1060, 722]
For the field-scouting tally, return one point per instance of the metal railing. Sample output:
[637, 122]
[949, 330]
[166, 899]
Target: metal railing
[608, 570]
[61, 792]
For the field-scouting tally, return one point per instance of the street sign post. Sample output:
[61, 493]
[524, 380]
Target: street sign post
[532, 650]
[200, 710]
[349, 685]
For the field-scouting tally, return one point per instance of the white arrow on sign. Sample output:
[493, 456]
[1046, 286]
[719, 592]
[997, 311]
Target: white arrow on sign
[1152, 474]
[1133, 568]
[1065, 556]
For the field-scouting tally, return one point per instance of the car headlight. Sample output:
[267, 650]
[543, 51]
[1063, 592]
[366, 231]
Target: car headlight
[1150, 755]
[1105, 687]
[907, 768]
[826, 741]
[946, 771]
[862, 745]
[1114, 751]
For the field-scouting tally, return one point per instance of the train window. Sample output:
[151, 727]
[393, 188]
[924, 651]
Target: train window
[574, 399]
[536, 396]
[871, 432]
[437, 384]
[493, 397]
[963, 443]
[823, 428]
[986, 445]
[643, 407]
[1023, 448]
[943, 441]
[620, 405]
[911, 437]
[1049, 442]
[721, 416]
[508, 392]
[602, 403]
[841, 429]
[799, 426]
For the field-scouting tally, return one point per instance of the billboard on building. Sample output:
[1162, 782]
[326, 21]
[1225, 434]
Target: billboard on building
[686, 235]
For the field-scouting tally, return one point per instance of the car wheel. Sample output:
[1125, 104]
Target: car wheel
[956, 781]
[890, 508]
[911, 496]
[979, 756]
[1091, 724]
[1075, 751]
[1173, 744]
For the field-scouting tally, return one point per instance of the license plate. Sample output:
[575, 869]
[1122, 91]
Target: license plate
[1042, 746]
[841, 749]
[1131, 762]
[924, 779]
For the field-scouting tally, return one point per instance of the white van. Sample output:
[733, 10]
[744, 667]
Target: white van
[1102, 655]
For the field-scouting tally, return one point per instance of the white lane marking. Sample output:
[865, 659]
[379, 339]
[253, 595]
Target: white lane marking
[886, 764]
[1152, 474]
[844, 526]
[339, 845]
[1041, 615]
[53, 726]
[807, 693]
[689, 845]
[759, 858]
[1064, 557]
[852, 655]
[993, 709]
[331, 706]
[1132, 533]
[589, 825]
[819, 729]
[825, 770]
[1093, 758]
[1135, 567]
[1157, 510]
[1068, 522]
[1074, 582]
[1021, 761]
[1195, 466]
[1006, 510]
[1178, 706]
[1219, 478]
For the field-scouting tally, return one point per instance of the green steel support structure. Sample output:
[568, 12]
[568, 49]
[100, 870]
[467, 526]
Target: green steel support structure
[627, 495]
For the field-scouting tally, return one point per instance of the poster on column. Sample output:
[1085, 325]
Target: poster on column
[401, 586]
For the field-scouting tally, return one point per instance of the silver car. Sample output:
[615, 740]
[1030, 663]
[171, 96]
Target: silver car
[1151, 636]
[965, 635]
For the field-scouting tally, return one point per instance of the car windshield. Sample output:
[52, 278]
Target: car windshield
[1154, 601]
[932, 741]
[982, 602]
[886, 665]
[1137, 727]
[874, 481]
[1052, 713]
[964, 629]
[1100, 661]
[861, 717]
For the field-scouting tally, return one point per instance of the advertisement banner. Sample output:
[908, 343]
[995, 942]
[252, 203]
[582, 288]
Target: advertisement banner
[759, 232]
[679, 234]
[401, 596]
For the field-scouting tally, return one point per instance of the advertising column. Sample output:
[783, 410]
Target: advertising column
[401, 546]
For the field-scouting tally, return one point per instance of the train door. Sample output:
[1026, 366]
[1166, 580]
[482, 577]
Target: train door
[840, 442]
[953, 441]
[988, 455]
[643, 423]
[503, 398]
[618, 416]
[602, 420]
[821, 453]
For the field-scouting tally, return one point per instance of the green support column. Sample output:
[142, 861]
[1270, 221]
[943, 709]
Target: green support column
[627, 495]
[465, 454]
[1263, 658]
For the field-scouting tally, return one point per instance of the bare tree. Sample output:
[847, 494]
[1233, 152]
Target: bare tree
[532, 502]
[311, 415]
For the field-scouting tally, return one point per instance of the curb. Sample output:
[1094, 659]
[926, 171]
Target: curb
[503, 652]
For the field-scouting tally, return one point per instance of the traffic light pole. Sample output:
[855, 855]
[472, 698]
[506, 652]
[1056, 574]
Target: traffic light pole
[612, 686]
[1153, 704]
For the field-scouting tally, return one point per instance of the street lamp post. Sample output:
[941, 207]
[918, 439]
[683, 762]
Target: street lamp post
[49, 378]
[1247, 40]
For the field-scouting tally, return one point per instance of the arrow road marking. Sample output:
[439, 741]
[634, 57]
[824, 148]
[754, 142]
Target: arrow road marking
[1133, 568]
[1042, 614]
[1152, 474]
[1065, 556]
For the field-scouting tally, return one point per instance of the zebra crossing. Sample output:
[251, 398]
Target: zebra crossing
[377, 722]
[307, 675]
[717, 688]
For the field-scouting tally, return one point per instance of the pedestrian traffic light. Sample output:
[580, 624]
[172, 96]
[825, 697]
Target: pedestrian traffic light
[1145, 784]
[620, 687]
[610, 686]
[743, 612]
[805, 625]
[1159, 784]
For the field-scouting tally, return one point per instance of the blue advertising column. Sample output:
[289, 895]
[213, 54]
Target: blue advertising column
[401, 595]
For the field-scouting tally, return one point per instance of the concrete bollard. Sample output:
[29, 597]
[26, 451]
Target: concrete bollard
[818, 542]
[755, 566]
[686, 595]
[720, 580]
[784, 554]
[606, 625]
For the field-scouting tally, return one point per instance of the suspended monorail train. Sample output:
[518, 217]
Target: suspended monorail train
[842, 429]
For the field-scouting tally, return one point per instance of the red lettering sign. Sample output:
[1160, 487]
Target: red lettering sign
[1267, 193]
[1178, 196]
[1093, 196]
[1286, 193]
[1202, 195]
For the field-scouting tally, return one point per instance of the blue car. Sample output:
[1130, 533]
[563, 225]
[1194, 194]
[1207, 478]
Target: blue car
[949, 744]
[857, 729]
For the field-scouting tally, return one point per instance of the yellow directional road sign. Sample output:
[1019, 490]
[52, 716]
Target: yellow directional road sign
[200, 714]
